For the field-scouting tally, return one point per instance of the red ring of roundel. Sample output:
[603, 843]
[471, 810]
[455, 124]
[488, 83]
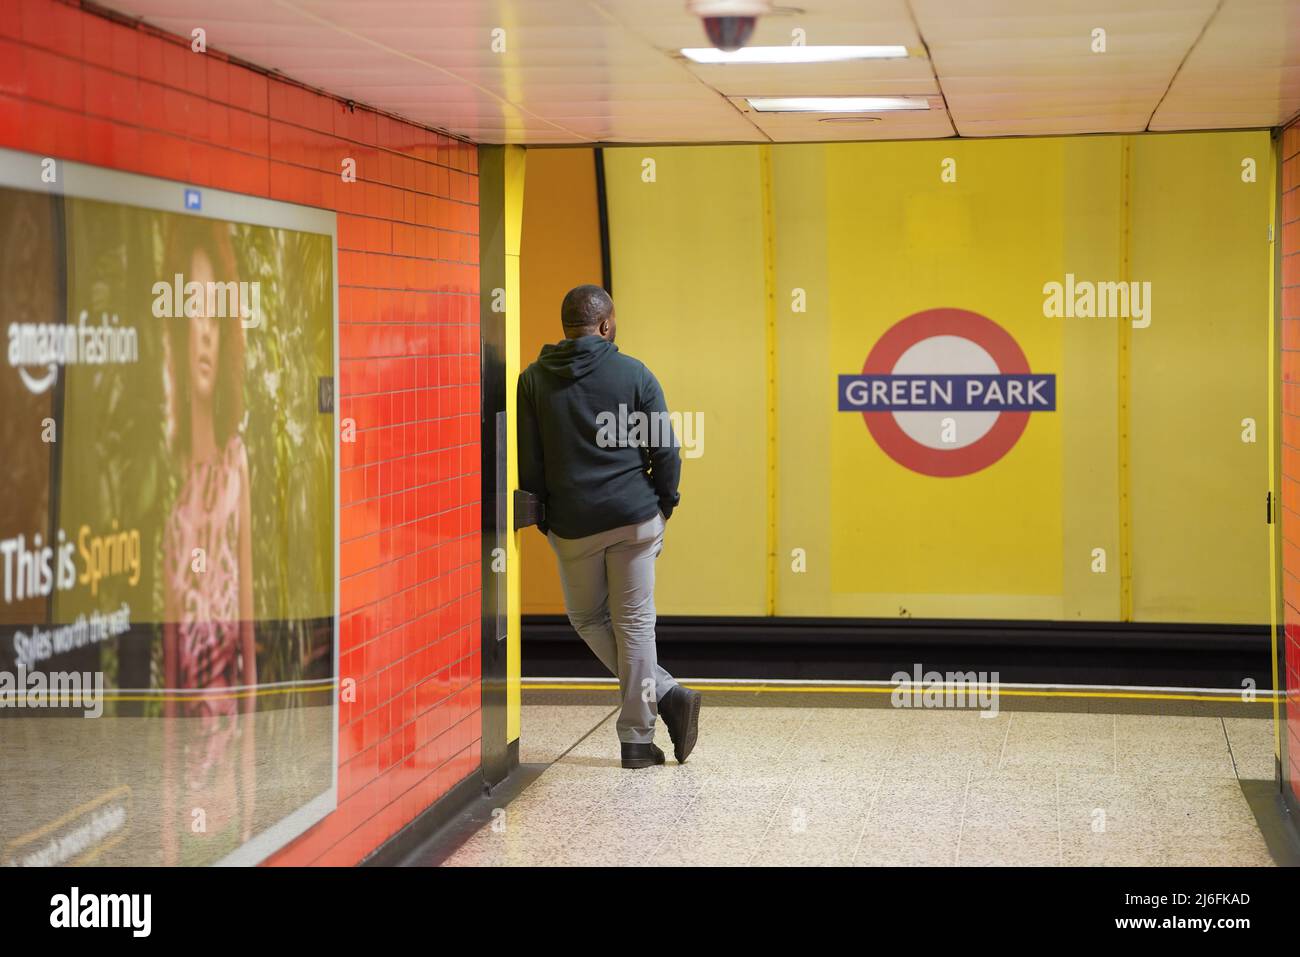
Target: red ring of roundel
[984, 451]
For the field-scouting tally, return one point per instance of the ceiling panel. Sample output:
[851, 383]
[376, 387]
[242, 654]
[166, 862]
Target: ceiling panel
[893, 77]
[991, 55]
[577, 71]
[1244, 71]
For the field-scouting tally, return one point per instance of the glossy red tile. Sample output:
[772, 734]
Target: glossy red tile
[77, 85]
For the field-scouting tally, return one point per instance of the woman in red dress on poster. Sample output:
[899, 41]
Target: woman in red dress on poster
[209, 648]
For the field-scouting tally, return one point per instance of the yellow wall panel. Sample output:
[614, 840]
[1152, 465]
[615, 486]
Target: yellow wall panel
[1088, 388]
[803, 342]
[687, 263]
[909, 544]
[1200, 237]
[561, 249]
[1141, 462]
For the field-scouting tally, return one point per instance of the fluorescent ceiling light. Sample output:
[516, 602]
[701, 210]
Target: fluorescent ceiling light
[794, 54]
[836, 104]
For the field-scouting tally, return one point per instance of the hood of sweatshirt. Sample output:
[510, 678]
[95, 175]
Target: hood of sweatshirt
[574, 358]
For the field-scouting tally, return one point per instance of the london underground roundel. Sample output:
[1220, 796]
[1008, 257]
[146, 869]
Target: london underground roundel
[946, 392]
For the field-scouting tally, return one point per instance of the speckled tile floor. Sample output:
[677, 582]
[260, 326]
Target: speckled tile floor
[808, 785]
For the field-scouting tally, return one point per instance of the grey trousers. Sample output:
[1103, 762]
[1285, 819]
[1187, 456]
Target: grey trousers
[609, 593]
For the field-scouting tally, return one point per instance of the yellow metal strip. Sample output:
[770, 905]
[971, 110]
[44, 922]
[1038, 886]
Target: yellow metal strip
[1125, 506]
[1274, 438]
[769, 281]
[514, 218]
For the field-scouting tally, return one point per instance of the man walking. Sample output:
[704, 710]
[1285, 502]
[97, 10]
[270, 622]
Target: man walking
[608, 492]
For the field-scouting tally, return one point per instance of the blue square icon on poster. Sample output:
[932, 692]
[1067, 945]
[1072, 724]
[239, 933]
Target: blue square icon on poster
[193, 199]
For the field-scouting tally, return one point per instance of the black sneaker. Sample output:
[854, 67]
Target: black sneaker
[680, 709]
[641, 755]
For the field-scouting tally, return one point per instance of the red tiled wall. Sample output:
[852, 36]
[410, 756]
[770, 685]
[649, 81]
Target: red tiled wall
[78, 86]
[1290, 492]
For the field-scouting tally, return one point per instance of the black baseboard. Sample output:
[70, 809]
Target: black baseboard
[442, 816]
[1276, 824]
[871, 649]
[435, 817]
[480, 811]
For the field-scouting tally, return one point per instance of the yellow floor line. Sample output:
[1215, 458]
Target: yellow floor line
[195, 695]
[1261, 697]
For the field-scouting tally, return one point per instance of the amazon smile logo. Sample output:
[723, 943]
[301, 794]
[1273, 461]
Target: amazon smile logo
[38, 349]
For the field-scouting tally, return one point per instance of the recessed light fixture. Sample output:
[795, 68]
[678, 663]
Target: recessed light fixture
[835, 104]
[794, 54]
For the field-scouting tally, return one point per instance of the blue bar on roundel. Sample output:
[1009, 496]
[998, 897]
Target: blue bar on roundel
[1029, 392]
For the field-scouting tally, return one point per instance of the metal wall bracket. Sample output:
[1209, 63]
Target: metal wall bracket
[528, 509]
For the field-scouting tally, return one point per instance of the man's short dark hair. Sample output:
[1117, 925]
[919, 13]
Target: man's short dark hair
[585, 307]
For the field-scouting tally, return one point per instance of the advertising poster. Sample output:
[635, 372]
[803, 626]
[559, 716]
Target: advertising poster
[167, 541]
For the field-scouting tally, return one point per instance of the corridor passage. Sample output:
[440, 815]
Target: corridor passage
[785, 778]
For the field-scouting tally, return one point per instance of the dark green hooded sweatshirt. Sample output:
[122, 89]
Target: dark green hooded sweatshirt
[580, 449]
